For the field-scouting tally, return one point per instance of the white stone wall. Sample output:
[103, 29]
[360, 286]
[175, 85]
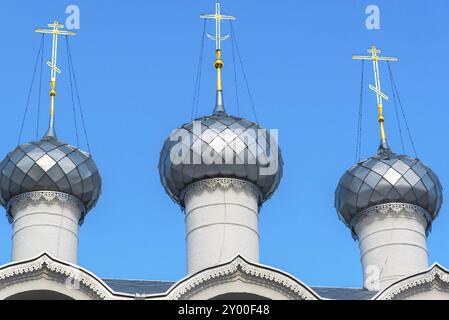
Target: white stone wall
[221, 223]
[392, 246]
[45, 226]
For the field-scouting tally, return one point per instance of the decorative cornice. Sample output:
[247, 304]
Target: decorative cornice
[396, 208]
[48, 196]
[429, 276]
[252, 273]
[223, 184]
[27, 270]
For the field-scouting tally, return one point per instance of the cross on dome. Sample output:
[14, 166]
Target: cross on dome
[374, 57]
[218, 64]
[218, 17]
[55, 31]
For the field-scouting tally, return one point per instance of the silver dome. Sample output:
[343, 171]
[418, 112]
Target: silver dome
[387, 178]
[226, 137]
[50, 165]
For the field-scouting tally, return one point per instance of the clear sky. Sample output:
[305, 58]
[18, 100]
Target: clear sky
[136, 64]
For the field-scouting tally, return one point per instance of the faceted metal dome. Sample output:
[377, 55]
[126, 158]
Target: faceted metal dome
[387, 178]
[222, 137]
[50, 165]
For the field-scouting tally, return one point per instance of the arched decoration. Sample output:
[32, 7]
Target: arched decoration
[50, 277]
[431, 284]
[241, 279]
[239, 296]
[39, 295]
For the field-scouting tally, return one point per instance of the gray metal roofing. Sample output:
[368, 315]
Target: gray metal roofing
[344, 293]
[138, 286]
[226, 146]
[50, 165]
[159, 287]
[387, 178]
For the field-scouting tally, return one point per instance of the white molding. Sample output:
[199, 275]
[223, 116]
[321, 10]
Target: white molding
[48, 196]
[401, 287]
[239, 267]
[223, 184]
[388, 208]
[48, 267]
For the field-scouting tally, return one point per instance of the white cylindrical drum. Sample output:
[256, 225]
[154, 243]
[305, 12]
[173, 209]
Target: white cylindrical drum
[392, 246]
[45, 222]
[222, 223]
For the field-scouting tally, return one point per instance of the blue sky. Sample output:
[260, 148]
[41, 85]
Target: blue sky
[136, 65]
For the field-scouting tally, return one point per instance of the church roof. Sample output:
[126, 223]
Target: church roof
[225, 146]
[388, 178]
[160, 287]
[344, 293]
[50, 165]
[139, 286]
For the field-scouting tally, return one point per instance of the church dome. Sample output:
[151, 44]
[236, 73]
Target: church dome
[50, 165]
[220, 145]
[388, 178]
[232, 140]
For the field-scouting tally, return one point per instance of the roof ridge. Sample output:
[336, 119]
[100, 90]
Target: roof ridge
[333, 287]
[139, 280]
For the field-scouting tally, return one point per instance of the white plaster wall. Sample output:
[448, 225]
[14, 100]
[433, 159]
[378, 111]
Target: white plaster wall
[239, 286]
[45, 226]
[221, 224]
[42, 284]
[392, 246]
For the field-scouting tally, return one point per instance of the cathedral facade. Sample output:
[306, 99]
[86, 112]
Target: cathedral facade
[219, 169]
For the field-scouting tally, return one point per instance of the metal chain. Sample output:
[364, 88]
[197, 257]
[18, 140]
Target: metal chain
[31, 89]
[72, 94]
[196, 94]
[235, 78]
[75, 82]
[234, 38]
[396, 108]
[402, 110]
[40, 88]
[358, 146]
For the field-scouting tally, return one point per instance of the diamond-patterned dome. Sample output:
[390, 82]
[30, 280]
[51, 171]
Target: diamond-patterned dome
[233, 141]
[50, 165]
[387, 178]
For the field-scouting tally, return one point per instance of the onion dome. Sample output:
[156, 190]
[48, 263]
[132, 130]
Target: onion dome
[388, 178]
[50, 165]
[220, 145]
[231, 140]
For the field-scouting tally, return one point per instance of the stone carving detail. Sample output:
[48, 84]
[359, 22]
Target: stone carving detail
[398, 208]
[224, 184]
[49, 196]
[395, 290]
[26, 270]
[252, 273]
